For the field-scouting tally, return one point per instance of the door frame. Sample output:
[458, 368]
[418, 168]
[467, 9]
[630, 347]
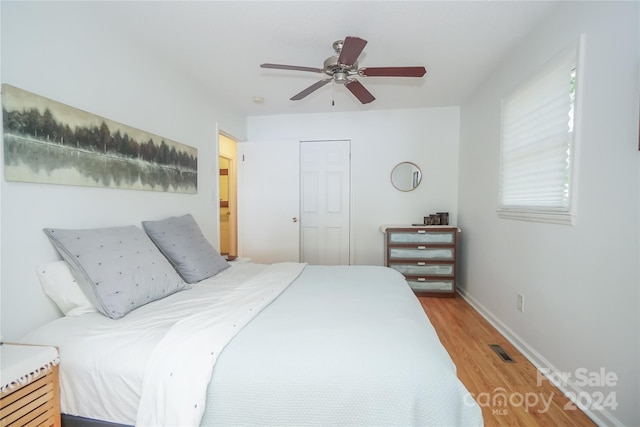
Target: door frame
[230, 154]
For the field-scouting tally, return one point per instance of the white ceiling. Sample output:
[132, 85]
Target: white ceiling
[221, 44]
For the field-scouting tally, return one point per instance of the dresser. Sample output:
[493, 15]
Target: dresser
[425, 255]
[30, 391]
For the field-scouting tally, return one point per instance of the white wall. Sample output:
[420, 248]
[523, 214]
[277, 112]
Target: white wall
[581, 283]
[380, 140]
[71, 52]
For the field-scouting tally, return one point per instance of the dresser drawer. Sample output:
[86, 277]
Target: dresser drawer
[421, 236]
[424, 269]
[431, 285]
[421, 252]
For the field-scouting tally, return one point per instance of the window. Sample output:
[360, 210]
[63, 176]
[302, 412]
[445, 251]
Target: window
[538, 144]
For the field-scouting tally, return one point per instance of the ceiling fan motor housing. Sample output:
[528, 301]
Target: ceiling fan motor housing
[339, 72]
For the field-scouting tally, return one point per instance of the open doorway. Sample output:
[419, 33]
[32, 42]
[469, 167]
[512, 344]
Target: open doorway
[228, 196]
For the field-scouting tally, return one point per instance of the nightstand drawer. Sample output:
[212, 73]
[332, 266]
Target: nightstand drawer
[421, 252]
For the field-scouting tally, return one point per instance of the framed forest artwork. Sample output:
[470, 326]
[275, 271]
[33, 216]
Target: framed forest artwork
[49, 142]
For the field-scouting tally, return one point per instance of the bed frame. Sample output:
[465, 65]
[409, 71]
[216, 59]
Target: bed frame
[73, 421]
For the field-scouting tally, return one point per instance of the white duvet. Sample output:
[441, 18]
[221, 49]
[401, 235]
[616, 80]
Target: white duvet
[342, 345]
[116, 370]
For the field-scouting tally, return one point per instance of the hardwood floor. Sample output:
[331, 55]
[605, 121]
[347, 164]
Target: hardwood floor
[510, 394]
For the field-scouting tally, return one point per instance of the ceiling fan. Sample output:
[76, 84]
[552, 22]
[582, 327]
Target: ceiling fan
[343, 68]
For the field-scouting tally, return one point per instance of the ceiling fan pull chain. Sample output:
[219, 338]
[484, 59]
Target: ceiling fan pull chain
[333, 95]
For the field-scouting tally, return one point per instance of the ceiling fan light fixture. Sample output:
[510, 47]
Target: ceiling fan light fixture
[341, 77]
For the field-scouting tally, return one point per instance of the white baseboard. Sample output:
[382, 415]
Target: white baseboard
[567, 387]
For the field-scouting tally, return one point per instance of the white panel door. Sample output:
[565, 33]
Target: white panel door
[268, 196]
[324, 202]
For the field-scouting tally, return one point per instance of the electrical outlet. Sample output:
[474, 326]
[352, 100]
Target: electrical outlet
[520, 302]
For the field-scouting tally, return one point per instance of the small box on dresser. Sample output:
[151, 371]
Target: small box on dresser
[30, 389]
[425, 255]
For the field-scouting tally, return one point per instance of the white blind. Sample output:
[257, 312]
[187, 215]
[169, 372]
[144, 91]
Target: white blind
[537, 138]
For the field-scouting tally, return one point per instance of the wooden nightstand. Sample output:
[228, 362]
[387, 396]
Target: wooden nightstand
[30, 389]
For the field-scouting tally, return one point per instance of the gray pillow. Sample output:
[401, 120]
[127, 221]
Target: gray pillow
[186, 248]
[118, 268]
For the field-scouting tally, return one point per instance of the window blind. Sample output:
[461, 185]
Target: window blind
[537, 141]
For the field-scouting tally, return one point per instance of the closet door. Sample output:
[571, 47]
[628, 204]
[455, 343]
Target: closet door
[269, 201]
[325, 202]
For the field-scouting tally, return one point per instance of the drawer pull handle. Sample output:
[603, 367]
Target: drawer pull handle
[422, 248]
[422, 231]
[422, 263]
[421, 279]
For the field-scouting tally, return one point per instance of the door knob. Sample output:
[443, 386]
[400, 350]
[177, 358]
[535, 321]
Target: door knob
[294, 219]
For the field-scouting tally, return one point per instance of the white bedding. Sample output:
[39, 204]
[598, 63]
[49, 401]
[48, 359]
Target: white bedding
[175, 382]
[325, 351]
[103, 361]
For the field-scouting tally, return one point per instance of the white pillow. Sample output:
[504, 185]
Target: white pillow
[60, 285]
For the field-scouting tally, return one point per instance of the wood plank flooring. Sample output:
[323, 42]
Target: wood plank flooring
[527, 400]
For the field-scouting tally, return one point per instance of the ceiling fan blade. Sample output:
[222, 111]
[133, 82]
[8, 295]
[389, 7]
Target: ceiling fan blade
[393, 71]
[351, 49]
[360, 92]
[291, 67]
[310, 89]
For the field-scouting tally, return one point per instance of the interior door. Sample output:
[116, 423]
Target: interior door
[228, 186]
[324, 202]
[269, 192]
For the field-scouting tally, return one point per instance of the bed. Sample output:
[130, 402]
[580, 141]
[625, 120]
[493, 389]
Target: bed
[254, 344]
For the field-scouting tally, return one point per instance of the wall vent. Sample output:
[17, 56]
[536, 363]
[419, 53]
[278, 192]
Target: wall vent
[503, 354]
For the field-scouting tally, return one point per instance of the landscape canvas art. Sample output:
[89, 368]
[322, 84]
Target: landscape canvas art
[48, 142]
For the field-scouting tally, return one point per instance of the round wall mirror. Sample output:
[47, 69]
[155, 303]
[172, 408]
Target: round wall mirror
[406, 176]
